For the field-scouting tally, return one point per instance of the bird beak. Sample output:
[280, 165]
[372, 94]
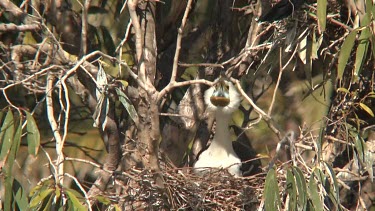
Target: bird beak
[220, 97]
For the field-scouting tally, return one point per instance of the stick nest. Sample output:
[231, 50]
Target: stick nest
[215, 190]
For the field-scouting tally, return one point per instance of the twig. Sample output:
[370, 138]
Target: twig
[132, 5]
[50, 161]
[173, 85]
[281, 68]
[178, 43]
[256, 108]
[125, 38]
[85, 9]
[81, 188]
[123, 6]
[201, 65]
[67, 112]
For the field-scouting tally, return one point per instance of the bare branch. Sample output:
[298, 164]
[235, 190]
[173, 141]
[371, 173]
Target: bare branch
[84, 27]
[173, 85]
[132, 5]
[12, 8]
[201, 65]
[277, 84]
[55, 129]
[19, 28]
[178, 43]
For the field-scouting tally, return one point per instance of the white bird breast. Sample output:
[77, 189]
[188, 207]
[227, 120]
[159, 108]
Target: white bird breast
[220, 153]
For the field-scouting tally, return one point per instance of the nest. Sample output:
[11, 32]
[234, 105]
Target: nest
[215, 190]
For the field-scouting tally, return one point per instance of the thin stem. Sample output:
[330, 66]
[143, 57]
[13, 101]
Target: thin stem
[178, 43]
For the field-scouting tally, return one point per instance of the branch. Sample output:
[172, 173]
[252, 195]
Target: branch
[173, 85]
[12, 8]
[17, 13]
[13, 27]
[84, 27]
[201, 65]
[178, 44]
[55, 130]
[132, 5]
[263, 114]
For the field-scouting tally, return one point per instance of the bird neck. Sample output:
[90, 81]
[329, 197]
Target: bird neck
[222, 135]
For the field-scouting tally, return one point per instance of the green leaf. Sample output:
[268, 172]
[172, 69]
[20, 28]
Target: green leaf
[271, 191]
[74, 200]
[108, 43]
[301, 187]
[1, 116]
[8, 190]
[314, 194]
[38, 199]
[335, 190]
[317, 42]
[14, 148]
[104, 200]
[8, 166]
[322, 14]
[21, 196]
[33, 135]
[361, 53]
[342, 89]
[6, 135]
[367, 17]
[360, 145]
[48, 204]
[102, 107]
[291, 190]
[125, 101]
[367, 109]
[319, 175]
[345, 51]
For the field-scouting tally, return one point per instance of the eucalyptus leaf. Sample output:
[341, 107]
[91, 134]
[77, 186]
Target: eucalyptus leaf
[361, 53]
[125, 101]
[38, 199]
[33, 135]
[360, 145]
[345, 52]
[102, 108]
[271, 191]
[291, 190]
[322, 14]
[76, 204]
[314, 193]
[335, 190]
[8, 184]
[367, 109]
[301, 187]
[21, 198]
[6, 135]
[101, 112]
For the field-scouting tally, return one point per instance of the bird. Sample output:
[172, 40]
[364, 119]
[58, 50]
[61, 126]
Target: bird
[281, 10]
[222, 100]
